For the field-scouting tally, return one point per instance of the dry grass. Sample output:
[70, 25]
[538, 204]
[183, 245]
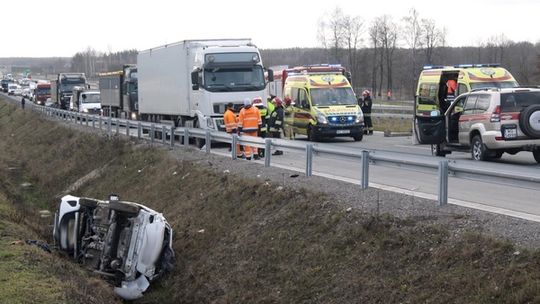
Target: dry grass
[238, 241]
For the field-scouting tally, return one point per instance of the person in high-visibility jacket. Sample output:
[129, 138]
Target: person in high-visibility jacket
[231, 125]
[265, 116]
[275, 124]
[249, 122]
[366, 104]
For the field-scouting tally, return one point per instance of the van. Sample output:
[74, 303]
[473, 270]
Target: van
[432, 90]
[323, 103]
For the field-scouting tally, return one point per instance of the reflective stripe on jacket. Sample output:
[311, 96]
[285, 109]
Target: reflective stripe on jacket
[249, 119]
[230, 121]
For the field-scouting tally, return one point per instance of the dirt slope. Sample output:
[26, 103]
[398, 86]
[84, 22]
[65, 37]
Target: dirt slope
[244, 241]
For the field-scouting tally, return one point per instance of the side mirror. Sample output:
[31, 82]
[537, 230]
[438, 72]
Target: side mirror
[195, 80]
[270, 75]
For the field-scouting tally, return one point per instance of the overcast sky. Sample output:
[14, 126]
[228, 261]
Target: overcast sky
[63, 27]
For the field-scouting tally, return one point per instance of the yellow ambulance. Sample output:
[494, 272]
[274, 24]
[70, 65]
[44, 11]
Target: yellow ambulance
[323, 103]
[432, 91]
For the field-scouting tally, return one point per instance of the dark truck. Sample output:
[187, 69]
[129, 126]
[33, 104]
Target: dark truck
[5, 83]
[62, 88]
[119, 93]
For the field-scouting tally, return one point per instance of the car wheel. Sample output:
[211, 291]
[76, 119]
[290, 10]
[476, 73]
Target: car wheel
[529, 121]
[358, 137]
[536, 154]
[124, 207]
[312, 134]
[478, 149]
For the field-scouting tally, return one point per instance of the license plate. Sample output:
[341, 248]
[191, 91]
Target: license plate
[343, 131]
[510, 133]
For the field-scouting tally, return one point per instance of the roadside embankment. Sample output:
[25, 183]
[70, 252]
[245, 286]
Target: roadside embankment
[245, 234]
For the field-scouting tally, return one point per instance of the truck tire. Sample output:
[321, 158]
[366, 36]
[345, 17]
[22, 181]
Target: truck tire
[478, 149]
[88, 202]
[529, 121]
[199, 142]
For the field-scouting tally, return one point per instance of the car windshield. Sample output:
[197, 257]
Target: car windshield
[495, 84]
[332, 96]
[224, 79]
[90, 98]
[517, 101]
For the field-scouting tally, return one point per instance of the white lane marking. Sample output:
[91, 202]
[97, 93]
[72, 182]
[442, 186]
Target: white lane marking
[477, 206]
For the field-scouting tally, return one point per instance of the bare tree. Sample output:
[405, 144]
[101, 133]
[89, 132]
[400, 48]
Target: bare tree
[378, 57]
[352, 33]
[388, 34]
[432, 38]
[497, 46]
[412, 35]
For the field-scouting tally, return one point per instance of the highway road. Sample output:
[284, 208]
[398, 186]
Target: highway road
[495, 197]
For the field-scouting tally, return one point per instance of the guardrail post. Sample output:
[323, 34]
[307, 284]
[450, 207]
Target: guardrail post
[234, 142]
[100, 122]
[267, 151]
[365, 169]
[186, 137]
[117, 126]
[443, 182]
[172, 137]
[164, 135]
[86, 119]
[139, 130]
[152, 128]
[309, 159]
[93, 123]
[109, 126]
[127, 128]
[208, 141]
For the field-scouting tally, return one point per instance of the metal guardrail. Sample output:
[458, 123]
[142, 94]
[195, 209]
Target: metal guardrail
[442, 168]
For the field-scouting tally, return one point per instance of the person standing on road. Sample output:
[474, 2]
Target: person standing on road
[23, 102]
[229, 118]
[275, 123]
[249, 122]
[265, 116]
[366, 104]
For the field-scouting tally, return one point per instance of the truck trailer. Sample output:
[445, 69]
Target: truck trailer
[190, 82]
[62, 88]
[119, 92]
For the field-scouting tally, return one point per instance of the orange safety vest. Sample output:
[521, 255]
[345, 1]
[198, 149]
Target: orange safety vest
[452, 86]
[229, 118]
[249, 119]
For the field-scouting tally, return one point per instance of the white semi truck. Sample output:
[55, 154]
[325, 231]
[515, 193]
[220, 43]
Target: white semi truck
[190, 82]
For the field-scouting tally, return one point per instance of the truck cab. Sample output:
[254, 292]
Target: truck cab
[85, 101]
[62, 88]
[323, 103]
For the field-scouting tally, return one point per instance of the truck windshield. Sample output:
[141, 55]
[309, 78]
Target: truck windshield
[332, 96]
[495, 84]
[90, 98]
[225, 79]
[43, 91]
[69, 86]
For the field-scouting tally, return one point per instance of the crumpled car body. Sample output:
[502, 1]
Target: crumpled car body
[128, 243]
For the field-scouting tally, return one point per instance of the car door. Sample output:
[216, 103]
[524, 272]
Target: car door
[429, 127]
[465, 120]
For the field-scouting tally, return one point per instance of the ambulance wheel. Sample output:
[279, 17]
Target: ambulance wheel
[312, 134]
[358, 137]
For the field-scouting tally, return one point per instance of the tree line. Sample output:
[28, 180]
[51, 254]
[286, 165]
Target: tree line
[92, 62]
[387, 54]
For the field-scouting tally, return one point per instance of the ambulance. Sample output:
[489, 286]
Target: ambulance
[323, 103]
[432, 91]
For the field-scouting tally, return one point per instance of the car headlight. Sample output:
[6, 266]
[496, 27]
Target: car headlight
[359, 117]
[321, 118]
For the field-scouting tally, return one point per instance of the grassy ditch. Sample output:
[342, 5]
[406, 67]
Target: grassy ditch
[240, 241]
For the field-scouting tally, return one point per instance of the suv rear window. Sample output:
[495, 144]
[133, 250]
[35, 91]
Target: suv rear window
[517, 101]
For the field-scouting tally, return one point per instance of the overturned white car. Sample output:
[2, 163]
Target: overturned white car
[128, 243]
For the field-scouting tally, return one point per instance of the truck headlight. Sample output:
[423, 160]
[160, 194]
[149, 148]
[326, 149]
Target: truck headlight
[321, 118]
[209, 123]
[85, 110]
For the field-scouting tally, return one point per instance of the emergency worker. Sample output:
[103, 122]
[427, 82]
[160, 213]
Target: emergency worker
[366, 104]
[288, 128]
[275, 123]
[249, 122]
[229, 118]
[265, 116]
